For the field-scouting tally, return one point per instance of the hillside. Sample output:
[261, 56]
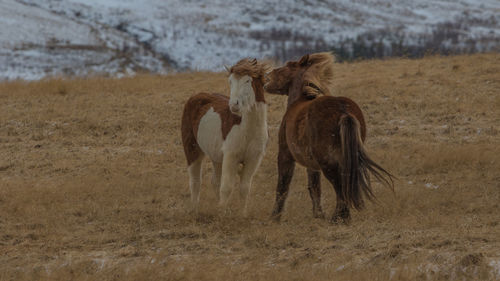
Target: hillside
[93, 183]
[75, 37]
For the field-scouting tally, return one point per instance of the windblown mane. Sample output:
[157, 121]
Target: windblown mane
[319, 76]
[250, 67]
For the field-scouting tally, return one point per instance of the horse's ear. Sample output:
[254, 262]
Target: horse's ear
[304, 60]
[228, 69]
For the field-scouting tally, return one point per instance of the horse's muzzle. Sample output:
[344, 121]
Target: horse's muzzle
[235, 109]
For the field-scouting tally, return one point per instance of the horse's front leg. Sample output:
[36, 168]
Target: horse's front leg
[314, 186]
[230, 165]
[250, 166]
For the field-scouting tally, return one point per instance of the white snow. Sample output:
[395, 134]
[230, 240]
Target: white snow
[495, 264]
[431, 186]
[119, 37]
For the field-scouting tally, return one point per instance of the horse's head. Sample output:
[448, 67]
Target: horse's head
[246, 80]
[280, 79]
[311, 75]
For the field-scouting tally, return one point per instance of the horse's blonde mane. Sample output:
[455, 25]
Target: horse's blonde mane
[250, 67]
[319, 73]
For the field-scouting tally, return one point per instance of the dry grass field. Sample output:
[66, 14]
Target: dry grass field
[93, 182]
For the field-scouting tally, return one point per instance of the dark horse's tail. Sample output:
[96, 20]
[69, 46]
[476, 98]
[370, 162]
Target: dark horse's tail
[356, 166]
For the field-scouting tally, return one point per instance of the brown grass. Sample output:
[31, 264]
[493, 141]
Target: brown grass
[93, 183]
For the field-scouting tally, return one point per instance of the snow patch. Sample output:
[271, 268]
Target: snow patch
[42, 38]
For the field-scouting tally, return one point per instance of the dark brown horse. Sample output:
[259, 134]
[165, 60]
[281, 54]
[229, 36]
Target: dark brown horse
[322, 133]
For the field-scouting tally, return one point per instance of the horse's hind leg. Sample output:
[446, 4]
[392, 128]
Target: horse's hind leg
[216, 178]
[341, 213]
[194, 170]
[286, 166]
[314, 186]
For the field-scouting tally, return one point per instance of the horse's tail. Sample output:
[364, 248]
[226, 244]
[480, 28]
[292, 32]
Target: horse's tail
[356, 166]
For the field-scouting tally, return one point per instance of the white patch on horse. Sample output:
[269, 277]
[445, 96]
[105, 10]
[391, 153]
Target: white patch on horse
[210, 135]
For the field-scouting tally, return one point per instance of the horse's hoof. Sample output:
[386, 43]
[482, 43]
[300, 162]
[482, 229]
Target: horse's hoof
[319, 215]
[224, 212]
[193, 211]
[276, 218]
[340, 220]
[245, 214]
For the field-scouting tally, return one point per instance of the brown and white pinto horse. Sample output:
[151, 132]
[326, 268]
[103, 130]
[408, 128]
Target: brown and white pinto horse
[322, 133]
[230, 131]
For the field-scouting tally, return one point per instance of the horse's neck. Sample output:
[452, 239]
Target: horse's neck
[257, 116]
[295, 92]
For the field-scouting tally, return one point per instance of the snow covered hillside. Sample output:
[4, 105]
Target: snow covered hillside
[40, 38]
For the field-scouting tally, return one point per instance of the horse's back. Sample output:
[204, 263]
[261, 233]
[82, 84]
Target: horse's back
[323, 127]
[325, 112]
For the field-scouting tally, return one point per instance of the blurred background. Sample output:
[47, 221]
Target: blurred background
[42, 38]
